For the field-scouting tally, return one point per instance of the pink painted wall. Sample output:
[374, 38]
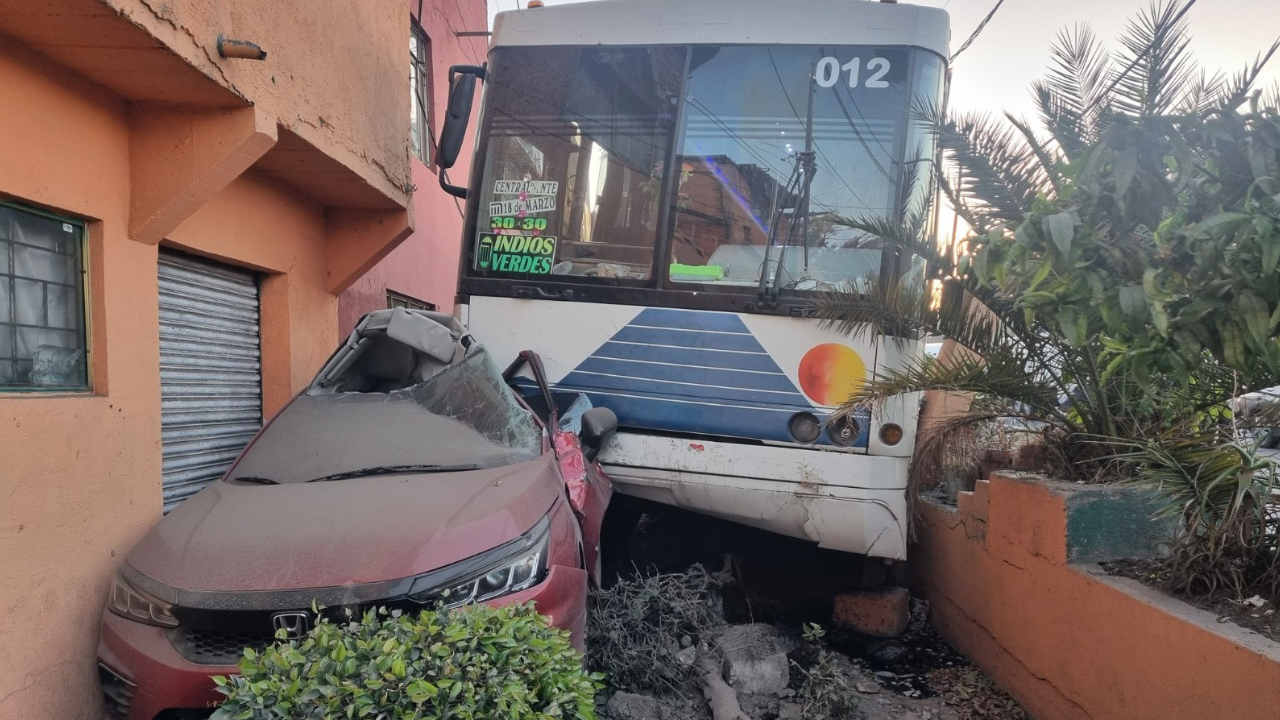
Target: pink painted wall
[425, 266]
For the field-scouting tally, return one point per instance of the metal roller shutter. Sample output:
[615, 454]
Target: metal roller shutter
[210, 370]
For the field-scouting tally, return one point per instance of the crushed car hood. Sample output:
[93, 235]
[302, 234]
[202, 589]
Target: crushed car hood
[234, 537]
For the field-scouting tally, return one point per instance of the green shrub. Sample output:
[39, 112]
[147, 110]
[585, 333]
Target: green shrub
[825, 693]
[475, 663]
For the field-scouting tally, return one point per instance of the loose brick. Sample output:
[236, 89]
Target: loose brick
[879, 613]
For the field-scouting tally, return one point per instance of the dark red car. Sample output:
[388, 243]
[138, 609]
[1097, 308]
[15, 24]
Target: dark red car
[411, 472]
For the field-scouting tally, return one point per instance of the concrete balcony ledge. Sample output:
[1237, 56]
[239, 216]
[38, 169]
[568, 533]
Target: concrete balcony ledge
[1011, 572]
[198, 121]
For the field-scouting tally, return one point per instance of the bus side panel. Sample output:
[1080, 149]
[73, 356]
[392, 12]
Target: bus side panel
[690, 371]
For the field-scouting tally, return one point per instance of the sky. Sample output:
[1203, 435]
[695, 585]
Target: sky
[995, 74]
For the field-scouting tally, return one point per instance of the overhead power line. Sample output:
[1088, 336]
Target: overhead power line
[977, 31]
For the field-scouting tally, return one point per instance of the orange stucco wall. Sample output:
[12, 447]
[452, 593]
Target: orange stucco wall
[80, 474]
[1069, 642]
[425, 266]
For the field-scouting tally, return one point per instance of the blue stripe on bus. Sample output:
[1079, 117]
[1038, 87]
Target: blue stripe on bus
[687, 356]
[776, 382]
[697, 339]
[698, 418]
[654, 414]
[691, 320]
[579, 381]
[692, 371]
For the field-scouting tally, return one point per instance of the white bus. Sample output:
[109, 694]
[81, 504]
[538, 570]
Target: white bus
[651, 211]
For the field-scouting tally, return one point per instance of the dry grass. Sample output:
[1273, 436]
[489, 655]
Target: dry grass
[636, 629]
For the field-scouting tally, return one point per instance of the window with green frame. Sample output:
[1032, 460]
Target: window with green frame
[43, 340]
[420, 115]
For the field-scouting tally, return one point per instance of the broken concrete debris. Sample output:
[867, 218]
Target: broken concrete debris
[755, 659]
[630, 706]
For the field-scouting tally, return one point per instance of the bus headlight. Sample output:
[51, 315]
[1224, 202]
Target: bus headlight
[890, 434]
[804, 427]
[843, 431]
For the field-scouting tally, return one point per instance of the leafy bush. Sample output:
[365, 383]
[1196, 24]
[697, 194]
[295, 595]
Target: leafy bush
[1123, 272]
[1121, 284]
[474, 663]
[637, 629]
[1221, 493]
[825, 693]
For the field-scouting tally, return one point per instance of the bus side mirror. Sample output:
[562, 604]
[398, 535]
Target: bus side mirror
[598, 427]
[462, 92]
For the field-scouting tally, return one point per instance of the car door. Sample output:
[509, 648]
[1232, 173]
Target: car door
[588, 486]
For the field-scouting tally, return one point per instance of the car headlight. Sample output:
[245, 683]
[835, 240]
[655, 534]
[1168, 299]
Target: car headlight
[130, 603]
[511, 567]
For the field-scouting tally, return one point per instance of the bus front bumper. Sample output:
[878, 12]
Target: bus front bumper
[842, 501]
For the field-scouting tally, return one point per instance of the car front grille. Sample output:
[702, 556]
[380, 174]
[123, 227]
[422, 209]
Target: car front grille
[212, 647]
[117, 693]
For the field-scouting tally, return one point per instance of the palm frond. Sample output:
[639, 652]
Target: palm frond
[945, 451]
[996, 176]
[1269, 99]
[889, 308]
[1158, 61]
[1072, 96]
[1201, 96]
[1234, 92]
[1049, 159]
[999, 375]
[919, 180]
[908, 235]
[950, 186]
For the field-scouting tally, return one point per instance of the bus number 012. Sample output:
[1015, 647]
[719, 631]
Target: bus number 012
[829, 70]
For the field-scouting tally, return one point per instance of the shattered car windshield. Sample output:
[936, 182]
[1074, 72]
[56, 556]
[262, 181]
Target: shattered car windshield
[463, 416]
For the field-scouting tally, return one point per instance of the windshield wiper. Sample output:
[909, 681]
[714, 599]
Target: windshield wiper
[255, 480]
[806, 166]
[394, 470]
[801, 181]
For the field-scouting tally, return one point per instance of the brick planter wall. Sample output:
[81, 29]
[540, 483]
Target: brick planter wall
[1009, 576]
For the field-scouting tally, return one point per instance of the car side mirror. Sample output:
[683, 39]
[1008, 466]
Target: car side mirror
[598, 426]
[462, 93]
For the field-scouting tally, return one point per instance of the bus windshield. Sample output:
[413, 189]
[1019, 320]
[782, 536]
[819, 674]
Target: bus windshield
[723, 168]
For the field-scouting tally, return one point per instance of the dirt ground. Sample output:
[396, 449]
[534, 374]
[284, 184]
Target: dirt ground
[928, 680]
[1254, 613]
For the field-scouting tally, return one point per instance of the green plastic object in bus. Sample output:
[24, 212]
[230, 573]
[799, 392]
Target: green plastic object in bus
[698, 272]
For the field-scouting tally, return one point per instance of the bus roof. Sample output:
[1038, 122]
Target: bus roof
[726, 22]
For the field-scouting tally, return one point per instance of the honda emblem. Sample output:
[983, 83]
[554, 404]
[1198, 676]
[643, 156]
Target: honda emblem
[294, 624]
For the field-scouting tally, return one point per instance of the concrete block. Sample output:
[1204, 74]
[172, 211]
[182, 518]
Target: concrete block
[630, 706]
[755, 659]
[879, 613]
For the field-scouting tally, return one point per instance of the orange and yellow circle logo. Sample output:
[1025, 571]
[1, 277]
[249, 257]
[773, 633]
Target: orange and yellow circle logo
[830, 373]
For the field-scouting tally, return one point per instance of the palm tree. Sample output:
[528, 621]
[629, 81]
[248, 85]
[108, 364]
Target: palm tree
[1068, 297]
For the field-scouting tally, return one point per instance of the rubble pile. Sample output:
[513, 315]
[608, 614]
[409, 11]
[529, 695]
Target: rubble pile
[758, 671]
